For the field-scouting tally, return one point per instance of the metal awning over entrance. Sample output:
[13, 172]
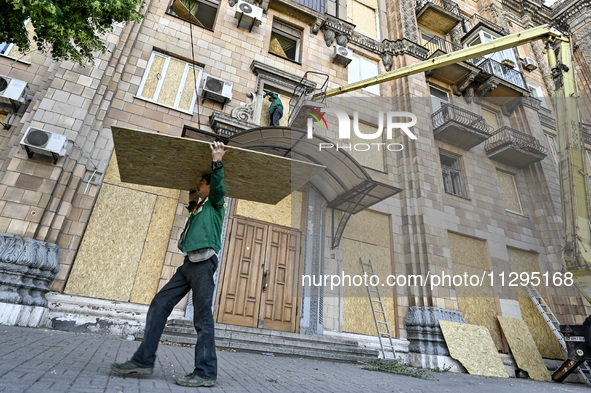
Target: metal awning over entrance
[344, 183]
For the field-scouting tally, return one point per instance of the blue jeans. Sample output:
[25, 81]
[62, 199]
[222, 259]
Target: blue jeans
[197, 276]
[275, 116]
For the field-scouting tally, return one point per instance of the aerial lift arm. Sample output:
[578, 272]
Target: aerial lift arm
[574, 182]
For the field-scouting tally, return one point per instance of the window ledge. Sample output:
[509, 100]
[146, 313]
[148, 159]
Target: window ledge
[16, 59]
[516, 213]
[459, 196]
[165, 106]
[286, 58]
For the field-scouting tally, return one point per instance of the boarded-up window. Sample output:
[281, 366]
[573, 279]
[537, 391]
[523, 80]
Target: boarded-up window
[199, 12]
[527, 262]
[362, 68]
[170, 82]
[491, 118]
[364, 14]
[510, 193]
[285, 41]
[470, 256]
[371, 157]
[285, 100]
[553, 145]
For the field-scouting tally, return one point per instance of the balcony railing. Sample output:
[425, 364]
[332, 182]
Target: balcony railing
[499, 70]
[469, 24]
[437, 43]
[316, 5]
[507, 135]
[449, 112]
[447, 5]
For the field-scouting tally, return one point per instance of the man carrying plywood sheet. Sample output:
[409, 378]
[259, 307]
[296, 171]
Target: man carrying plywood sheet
[200, 240]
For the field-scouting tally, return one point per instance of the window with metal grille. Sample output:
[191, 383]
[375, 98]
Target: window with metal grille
[199, 12]
[452, 175]
[285, 41]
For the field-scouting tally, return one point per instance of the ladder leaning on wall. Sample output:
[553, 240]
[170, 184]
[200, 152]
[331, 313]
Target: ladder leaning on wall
[554, 324]
[379, 314]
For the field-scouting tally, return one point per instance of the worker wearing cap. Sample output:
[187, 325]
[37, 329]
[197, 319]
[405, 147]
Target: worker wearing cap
[275, 109]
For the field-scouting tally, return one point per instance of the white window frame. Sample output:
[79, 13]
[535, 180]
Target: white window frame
[539, 93]
[375, 89]
[553, 145]
[516, 193]
[188, 68]
[10, 47]
[437, 99]
[290, 36]
[486, 36]
[499, 122]
[376, 10]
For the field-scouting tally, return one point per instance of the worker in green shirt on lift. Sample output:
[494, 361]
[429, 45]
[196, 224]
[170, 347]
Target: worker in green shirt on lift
[275, 109]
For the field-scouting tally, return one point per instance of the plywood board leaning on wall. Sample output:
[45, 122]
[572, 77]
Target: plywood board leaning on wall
[472, 346]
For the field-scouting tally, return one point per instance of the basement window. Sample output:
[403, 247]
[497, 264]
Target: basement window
[285, 41]
[199, 12]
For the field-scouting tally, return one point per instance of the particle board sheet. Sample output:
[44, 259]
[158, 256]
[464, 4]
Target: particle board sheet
[171, 162]
[524, 348]
[473, 346]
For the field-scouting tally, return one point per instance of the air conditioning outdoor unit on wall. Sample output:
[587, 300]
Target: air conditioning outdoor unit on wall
[216, 90]
[44, 142]
[248, 13]
[342, 55]
[13, 91]
[529, 64]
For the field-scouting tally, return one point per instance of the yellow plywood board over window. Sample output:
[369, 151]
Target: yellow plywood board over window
[509, 191]
[364, 16]
[165, 161]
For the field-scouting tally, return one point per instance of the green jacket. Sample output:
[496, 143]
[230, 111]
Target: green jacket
[205, 227]
[275, 104]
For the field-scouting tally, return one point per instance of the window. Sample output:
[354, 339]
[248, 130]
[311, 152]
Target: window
[492, 118]
[170, 82]
[537, 92]
[438, 98]
[11, 50]
[510, 193]
[553, 145]
[452, 175]
[484, 36]
[364, 15]
[200, 12]
[285, 41]
[362, 68]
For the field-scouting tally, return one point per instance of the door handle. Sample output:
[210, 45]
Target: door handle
[265, 280]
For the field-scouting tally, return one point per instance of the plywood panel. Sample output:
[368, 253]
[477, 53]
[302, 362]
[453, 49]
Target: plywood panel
[524, 348]
[472, 346]
[286, 213]
[165, 161]
[109, 254]
[369, 227]
[112, 177]
[509, 190]
[150, 266]
[546, 342]
[476, 303]
[285, 100]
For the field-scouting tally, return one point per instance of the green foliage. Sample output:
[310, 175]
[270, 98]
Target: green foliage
[394, 367]
[67, 29]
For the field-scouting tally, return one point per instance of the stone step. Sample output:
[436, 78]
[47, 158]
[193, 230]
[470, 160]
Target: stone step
[268, 341]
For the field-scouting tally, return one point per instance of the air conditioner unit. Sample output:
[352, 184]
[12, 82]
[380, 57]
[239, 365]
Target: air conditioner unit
[342, 55]
[248, 13]
[529, 64]
[216, 90]
[13, 91]
[44, 142]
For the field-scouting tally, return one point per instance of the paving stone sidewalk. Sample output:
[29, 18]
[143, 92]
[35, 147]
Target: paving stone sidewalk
[50, 361]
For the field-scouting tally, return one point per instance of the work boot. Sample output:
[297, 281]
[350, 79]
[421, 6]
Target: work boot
[194, 381]
[128, 368]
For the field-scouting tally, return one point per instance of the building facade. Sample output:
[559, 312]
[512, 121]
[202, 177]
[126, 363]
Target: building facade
[477, 191]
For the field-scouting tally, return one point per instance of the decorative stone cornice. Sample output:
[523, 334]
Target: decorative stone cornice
[531, 102]
[227, 126]
[245, 112]
[338, 30]
[565, 13]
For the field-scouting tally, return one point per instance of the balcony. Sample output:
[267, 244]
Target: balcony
[316, 5]
[514, 148]
[459, 127]
[500, 83]
[453, 74]
[440, 16]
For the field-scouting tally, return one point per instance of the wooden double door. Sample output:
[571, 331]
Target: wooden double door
[261, 276]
